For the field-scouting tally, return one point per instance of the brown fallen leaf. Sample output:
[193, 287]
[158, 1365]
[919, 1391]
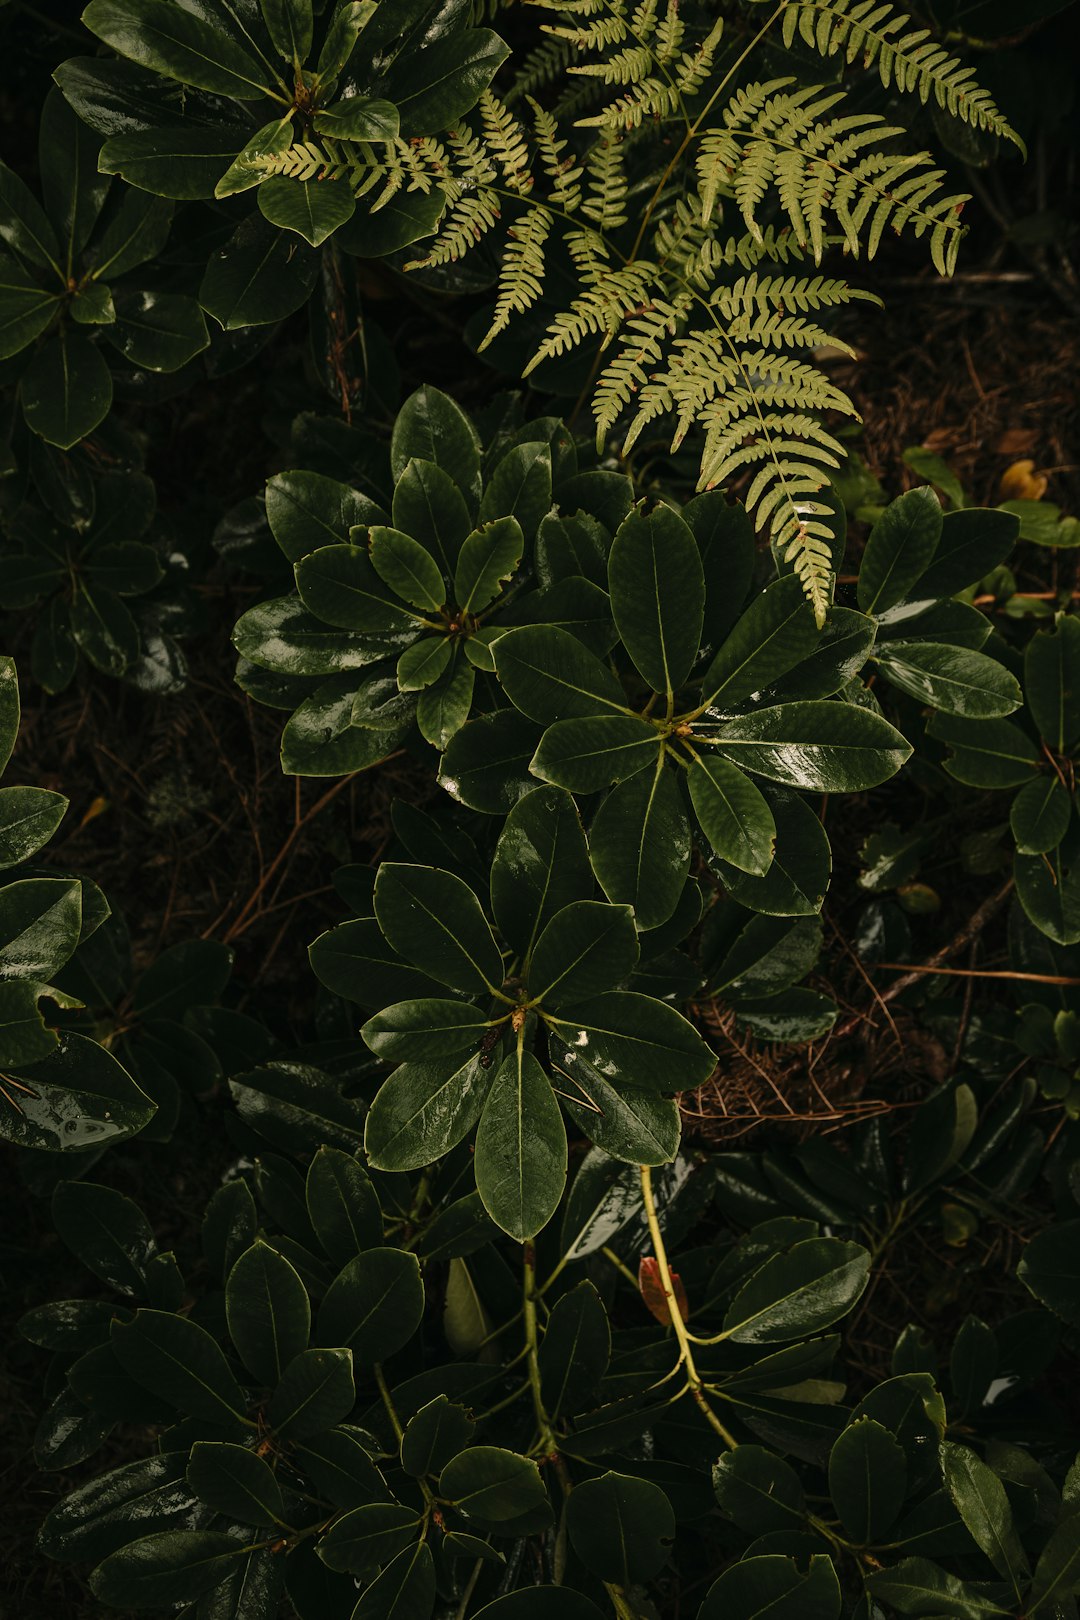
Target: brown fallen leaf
[652, 1290]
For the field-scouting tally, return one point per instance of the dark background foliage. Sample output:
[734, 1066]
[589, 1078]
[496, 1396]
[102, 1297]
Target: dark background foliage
[180, 810]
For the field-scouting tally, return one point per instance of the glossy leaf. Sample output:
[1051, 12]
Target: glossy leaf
[733, 814]
[165, 1568]
[774, 635]
[586, 947]
[657, 592]
[423, 1029]
[434, 920]
[268, 1312]
[797, 1293]
[520, 1159]
[488, 557]
[901, 547]
[424, 1109]
[549, 675]
[953, 679]
[589, 754]
[980, 1499]
[635, 1041]
[639, 845]
[180, 44]
[374, 1305]
[235, 1482]
[1039, 815]
[826, 747]
[541, 865]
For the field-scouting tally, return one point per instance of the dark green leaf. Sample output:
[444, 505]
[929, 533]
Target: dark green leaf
[574, 1352]
[434, 1435]
[185, 161]
[488, 557]
[434, 920]
[424, 1029]
[867, 1480]
[774, 635]
[289, 24]
[586, 947]
[520, 488]
[66, 389]
[621, 1527]
[491, 1485]
[268, 1312]
[901, 547]
[424, 1109]
[338, 1462]
[173, 1357]
[973, 542]
[370, 1536]
[589, 754]
[774, 1588]
[25, 308]
[313, 209]
[315, 1392]
[98, 1517]
[657, 593]
[430, 507]
[486, 764]
[953, 679]
[980, 1499]
[405, 1589]
[166, 1568]
[797, 1293]
[759, 1491]
[235, 1482]
[733, 814]
[1039, 815]
[431, 427]
[258, 277]
[520, 1159]
[549, 675]
[634, 1041]
[435, 85]
[541, 864]
[639, 845]
[157, 331]
[374, 1305]
[1052, 683]
[986, 753]
[1050, 1268]
[342, 1205]
[180, 44]
[826, 747]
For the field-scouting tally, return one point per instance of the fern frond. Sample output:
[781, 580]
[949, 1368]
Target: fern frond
[605, 185]
[465, 223]
[521, 276]
[911, 60]
[543, 66]
[599, 311]
[641, 349]
[506, 142]
[774, 137]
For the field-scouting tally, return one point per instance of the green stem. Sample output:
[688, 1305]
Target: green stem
[548, 1443]
[686, 1355]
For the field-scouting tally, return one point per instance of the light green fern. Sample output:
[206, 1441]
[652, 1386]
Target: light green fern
[693, 326]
